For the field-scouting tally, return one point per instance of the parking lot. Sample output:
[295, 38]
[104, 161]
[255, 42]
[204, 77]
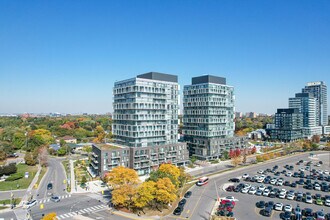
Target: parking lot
[303, 185]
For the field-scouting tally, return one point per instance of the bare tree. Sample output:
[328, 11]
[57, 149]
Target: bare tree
[43, 156]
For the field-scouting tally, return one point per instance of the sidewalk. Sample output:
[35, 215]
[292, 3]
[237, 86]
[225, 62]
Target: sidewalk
[30, 188]
[72, 178]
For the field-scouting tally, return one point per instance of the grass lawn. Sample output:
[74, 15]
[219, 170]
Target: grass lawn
[22, 183]
[66, 167]
[79, 171]
[7, 201]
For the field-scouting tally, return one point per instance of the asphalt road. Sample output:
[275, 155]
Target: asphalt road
[68, 207]
[55, 175]
[200, 204]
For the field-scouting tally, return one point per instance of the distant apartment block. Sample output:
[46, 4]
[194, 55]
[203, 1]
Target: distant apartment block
[308, 107]
[67, 139]
[288, 125]
[145, 124]
[208, 117]
[238, 114]
[251, 115]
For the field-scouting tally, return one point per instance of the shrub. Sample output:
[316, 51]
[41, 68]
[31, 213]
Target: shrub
[9, 169]
[15, 176]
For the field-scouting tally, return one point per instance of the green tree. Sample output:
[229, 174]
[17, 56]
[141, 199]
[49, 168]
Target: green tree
[3, 155]
[29, 159]
[225, 155]
[62, 151]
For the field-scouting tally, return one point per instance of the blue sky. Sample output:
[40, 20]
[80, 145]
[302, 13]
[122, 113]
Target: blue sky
[64, 56]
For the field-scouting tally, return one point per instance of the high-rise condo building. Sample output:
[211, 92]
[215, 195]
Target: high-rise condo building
[308, 107]
[208, 117]
[146, 110]
[319, 91]
[288, 125]
[145, 125]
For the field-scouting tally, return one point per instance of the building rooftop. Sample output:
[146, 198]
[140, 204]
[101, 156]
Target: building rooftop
[208, 79]
[287, 110]
[159, 76]
[108, 146]
[66, 138]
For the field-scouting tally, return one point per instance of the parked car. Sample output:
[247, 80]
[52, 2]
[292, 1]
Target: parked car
[187, 194]
[267, 211]
[177, 211]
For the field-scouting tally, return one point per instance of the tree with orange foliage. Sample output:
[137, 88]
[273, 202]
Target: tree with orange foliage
[120, 176]
[50, 216]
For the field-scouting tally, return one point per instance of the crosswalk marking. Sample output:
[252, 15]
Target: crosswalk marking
[82, 211]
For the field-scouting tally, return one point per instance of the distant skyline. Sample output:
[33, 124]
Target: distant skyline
[64, 56]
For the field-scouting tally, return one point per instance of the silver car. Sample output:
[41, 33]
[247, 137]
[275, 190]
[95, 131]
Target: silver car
[55, 199]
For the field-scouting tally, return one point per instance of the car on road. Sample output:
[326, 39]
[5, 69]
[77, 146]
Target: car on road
[187, 194]
[55, 199]
[30, 204]
[49, 186]
[202, 181]
[230, 198]
[177, 211]
[278, 206]
[234, 180]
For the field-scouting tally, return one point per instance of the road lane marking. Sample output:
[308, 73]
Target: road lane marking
[197, 202]
[93, 208]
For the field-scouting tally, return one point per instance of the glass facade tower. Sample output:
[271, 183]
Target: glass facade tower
[319, 91]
